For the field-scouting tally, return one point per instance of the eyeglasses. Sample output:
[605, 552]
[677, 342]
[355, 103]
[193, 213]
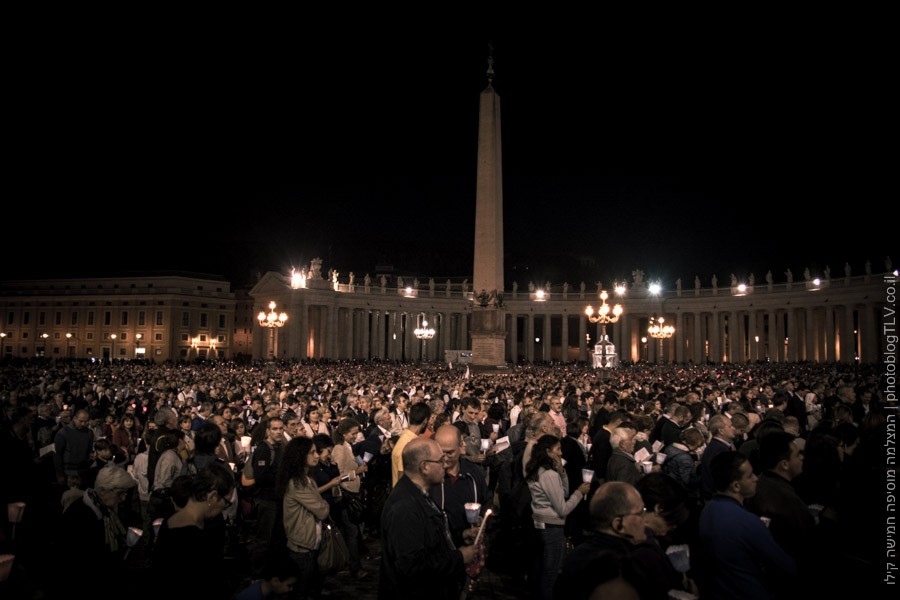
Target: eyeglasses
[227, 502]
[441, 461]
[634, 514]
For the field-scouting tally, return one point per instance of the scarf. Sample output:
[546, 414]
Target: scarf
[112, 526]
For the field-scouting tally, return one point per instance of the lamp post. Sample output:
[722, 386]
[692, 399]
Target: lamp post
[212, 349]
[113, 337]
[657, 329]
[44, 337]
[424, 333]
[273, 321]
[603, 317]
[137, 344]
[3, 335]
[68, 348]
[660, 331]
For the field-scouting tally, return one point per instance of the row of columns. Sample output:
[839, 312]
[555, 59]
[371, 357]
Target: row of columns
[819, 334]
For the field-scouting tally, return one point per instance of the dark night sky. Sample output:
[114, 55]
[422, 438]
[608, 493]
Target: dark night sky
[239, 157]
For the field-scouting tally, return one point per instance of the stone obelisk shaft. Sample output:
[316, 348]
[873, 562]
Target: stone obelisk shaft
[488, 316]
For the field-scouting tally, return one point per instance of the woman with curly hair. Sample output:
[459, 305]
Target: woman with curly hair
[304, 511]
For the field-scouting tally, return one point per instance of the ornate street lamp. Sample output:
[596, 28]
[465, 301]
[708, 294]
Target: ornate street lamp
[660, 331]
[424, 333]
[273, 321]
[603, 317]
[68, 348]
[113, 337]
[44, 337]
[3, 335]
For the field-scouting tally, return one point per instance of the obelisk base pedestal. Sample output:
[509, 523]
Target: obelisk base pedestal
[489, 338]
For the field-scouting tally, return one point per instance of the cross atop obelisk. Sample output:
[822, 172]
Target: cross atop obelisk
[489, 316]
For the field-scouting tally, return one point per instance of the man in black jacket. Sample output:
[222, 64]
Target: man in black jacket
[418, 557]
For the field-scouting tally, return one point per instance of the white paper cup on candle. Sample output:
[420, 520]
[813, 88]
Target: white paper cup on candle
[231, 465]
[473, 511]
[367, 457]
[485, 445]
[15, 511]
[496, 427]
[564, 461]
[647, 465]
[587, 475]
[157, 523]
[6, 563]
[245, 442]
[133, 536]
[765, 520]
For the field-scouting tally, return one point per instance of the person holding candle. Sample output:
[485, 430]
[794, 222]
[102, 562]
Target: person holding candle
[92, 537]
[549, 487]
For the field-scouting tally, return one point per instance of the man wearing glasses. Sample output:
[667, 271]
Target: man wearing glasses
[419, 558]
[617, 512]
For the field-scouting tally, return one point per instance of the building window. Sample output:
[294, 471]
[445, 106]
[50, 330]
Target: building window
[184, 337]
[56, 335]
[89, 335]
[158, 337]
[185, 319]
[24, 335]
[159, 317]
[90, 317]
[123, 336]
[42, 318]
[74, 317]
[121, 351]
[202, 338]
[183, 353]
[26, 317]
[105, 335]
[10, 318]
[124, 317]
[221, 321]
[89, 351]
[220, 339]
[56, 350]
[142, 318]
[204, 318]
[58, 319]
[107, 318]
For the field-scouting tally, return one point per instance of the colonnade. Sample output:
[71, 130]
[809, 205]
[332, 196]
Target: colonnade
[777, 326]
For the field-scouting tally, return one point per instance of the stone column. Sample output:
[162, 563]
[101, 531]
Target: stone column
[714, 338]
[682, 337]
[331, 331]
[513, 337]
[565, 337]
[303, 313]
[464, 330]
[545, 337]
[582, 342]
[529, 337]
[732, 343]
[792, 335]
[811, 353]
[753, 332]
[773, 335]
[697, 344]
[830, 354]
[868, 334]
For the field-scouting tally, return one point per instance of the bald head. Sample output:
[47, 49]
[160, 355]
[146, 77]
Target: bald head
[423, 462]
[450, 441]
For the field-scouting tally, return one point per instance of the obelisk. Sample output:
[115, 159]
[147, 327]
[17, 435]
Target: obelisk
[488, 312]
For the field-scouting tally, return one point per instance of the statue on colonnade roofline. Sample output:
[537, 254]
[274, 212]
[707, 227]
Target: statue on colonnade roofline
[367, 280]
[352, 277]
[515, 287]
[888, 264]
[599, 287]
[751, 280]
[678, 286]
[582, 289]
[383, 282]
[696, 282]
[806, 274]
[638, 276]
[315, 268]
[399, 282]
[465, 287]
[868, 268]
[790, 276]
[715, 282]
[431, 285]
[565, 290]
[733, 280]
[847, 270]
[531, 286]
[447, 287]
[769, 278]
[827, 273]
[415, 283]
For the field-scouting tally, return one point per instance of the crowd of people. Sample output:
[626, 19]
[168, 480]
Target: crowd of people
[721, 481]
